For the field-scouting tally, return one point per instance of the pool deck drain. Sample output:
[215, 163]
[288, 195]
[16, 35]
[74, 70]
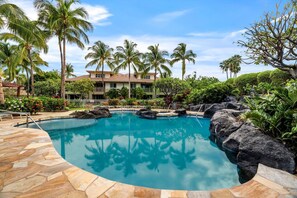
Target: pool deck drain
[31, 167]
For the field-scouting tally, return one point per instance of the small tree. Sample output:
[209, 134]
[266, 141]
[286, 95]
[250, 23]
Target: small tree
[272, 41]
[170, 87]
[81, 87]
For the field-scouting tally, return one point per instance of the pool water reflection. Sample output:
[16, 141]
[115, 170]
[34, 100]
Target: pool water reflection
[170, 153]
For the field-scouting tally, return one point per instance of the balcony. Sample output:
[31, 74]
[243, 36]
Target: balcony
[98, 89]
[148, 90]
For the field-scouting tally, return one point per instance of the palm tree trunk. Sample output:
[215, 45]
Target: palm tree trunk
[63, 71]
[28, 82]
[61, 57]
[1, 92]
[31, 72]
[155, 90]
[183, 68]
[129, 83]
[227, 75]
[103, 85]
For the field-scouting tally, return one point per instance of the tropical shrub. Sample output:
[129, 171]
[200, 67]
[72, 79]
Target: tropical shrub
[113, 93]
[201, 81]
[276, 114]
[214, 93]
[124, 92]
[113, 102]
[279, 77]
[243, 80]
[13, 104]
[47, 88]
[131, 101]
[81, 87]
[32, 105]
[264, 77]
[138, 93]
[53, 104]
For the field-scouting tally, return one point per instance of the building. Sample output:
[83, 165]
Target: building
[115, 81]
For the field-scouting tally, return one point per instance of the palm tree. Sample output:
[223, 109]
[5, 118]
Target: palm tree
[8, 12]
[2, 100]
[235, 62]
[225, 67]
[100, 54]
[9, 59]
[65, 22]
[69, 70]
[155, 60]
[180, 53]
[29, 38]
[126, 57]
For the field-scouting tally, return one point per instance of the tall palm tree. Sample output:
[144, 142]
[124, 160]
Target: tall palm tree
[69, 70]
[29, 38]
[126, 57]
[8, 12]
[155, 60]
[65, 22]
[225, 67]
[9, 59]
[99, 54]
[180, 53]
[235, 62]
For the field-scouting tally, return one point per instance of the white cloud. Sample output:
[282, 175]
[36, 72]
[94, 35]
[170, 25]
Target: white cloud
[98, 15]
[169, 16]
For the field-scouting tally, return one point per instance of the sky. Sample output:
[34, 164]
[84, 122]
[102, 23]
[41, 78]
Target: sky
[210, 28]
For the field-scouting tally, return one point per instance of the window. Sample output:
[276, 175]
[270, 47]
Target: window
[113, 85]
[147, 77]
[100, 75]
[133, 85]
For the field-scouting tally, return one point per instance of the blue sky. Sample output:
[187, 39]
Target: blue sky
[209, 28]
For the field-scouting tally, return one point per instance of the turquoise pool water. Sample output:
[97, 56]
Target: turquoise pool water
[168, 153]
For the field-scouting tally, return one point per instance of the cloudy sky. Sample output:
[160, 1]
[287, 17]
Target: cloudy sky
[210, 28]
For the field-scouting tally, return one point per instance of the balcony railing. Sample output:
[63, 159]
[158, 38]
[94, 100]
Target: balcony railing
[98, 89]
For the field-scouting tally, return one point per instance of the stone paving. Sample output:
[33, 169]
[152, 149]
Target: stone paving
[31, 167]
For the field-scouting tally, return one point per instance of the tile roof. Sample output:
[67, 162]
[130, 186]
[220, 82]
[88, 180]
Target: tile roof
[114, 78]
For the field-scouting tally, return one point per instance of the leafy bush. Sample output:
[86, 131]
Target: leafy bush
[200, 82]
[276, 114]
[32, 105]
[53, 104]
[113, 102]
[214, 93]
[113, 93]
[47, 88]
[12, 104]
[132, 101]
[138, 93]
[279, 77]
[124, 92]
[264, 77]
[246, 79]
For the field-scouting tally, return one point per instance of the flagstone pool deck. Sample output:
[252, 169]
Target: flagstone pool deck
[31, 167]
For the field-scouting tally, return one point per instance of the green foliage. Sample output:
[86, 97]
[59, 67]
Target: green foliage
[246, 79]
[279, 77]
[52, 104]
[138, 93]
[113, 102]
[48, 88]
[276, 114]
[32, 105]
[49, 75]
[13, 104]
[264, 77]
[201, 81]
[214, 93]
[131, 101]
[124, 92]
[81, 87]
[113, 93]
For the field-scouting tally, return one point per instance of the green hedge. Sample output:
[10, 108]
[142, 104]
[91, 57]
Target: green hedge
[246, 79]
[213, 93]
[279, 77]
[264, 77]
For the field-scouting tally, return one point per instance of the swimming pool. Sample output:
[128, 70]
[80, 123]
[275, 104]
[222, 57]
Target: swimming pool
[167, 153]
